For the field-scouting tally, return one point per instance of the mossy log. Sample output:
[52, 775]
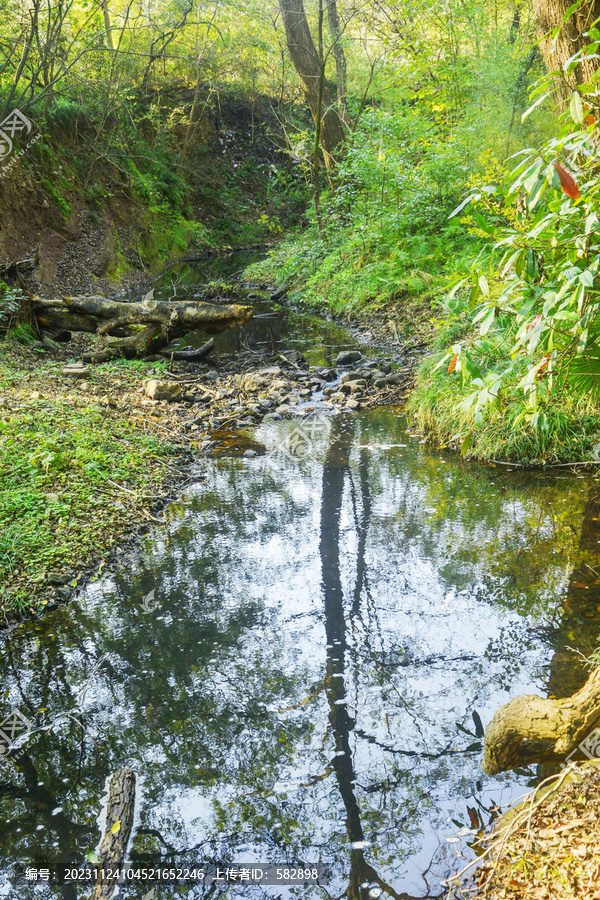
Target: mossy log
[119, 823]
[137, 328]
[532, 729]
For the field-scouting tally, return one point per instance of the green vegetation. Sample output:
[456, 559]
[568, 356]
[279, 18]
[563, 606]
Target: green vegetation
[521, 378]
[75, 472]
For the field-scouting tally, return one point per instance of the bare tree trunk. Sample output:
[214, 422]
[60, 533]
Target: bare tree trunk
[569, 40]
[311, 71]
[107, 25]
[27, 45]
[163, 40]
[340, 57]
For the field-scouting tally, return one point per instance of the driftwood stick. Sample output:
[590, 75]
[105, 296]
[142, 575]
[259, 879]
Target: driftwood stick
[532, 729]
[190, 355]
[119, 823]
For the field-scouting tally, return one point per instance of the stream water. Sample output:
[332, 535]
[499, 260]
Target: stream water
[296, 665]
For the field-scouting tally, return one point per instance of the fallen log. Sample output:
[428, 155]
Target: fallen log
[137, 328]
[531, 729]
[119, 823]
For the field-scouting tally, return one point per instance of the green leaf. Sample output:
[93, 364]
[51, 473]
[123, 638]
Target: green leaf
[469, 368]
[483, 223]
[537, 190]
[488, 321]
[455, 289]
[582, 344]
[536, 104]
[464, 447]
[532, 176]
[576, 108]
[465, 203]
[479, 730]
[531, 266]
[572, 9]
[483, 284]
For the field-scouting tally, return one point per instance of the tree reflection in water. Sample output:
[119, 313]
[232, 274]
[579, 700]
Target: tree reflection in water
[302, 684]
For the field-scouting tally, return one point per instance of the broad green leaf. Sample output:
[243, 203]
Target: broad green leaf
[455, 289]
[536, 191]
[582, 344]
[464, 203]
[572, 9]
[483, 284]
[483, 223]
[442, 362]
[508, 261]
[576, 108]
[488, 321]
[531, 265]
[532, 176]
[536, 104]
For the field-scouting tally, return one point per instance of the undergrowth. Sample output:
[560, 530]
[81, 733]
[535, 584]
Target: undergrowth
[438, 405]
[73, 474]
[384, 235]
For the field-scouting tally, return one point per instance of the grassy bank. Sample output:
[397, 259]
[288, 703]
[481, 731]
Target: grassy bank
[79, 466]
[572, 435]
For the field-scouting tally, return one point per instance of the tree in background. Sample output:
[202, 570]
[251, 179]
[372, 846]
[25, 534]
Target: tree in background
[310, 61]
[563, 28]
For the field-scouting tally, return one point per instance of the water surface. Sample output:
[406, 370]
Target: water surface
[302, 684]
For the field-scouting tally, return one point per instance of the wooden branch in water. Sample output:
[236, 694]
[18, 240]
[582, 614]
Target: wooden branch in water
[532, 729]
[190, 355]
[119, 823]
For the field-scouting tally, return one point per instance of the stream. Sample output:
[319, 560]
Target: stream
[298, 662]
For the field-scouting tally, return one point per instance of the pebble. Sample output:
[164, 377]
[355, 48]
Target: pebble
[250, 453]
[163, 390]
[347, 357]
[58, 578]
[76, 370]
[329, 374]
